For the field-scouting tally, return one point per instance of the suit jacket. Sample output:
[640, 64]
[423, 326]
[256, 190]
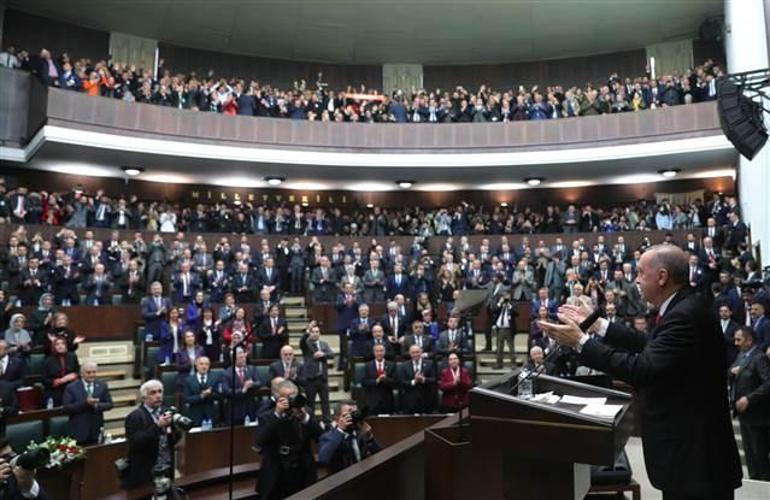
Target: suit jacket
[313, 369]
[153, 321]
[427, 343]
[243, 403]
[336, 453]
[142, 436]
[275, 434]
[86, 420]
[273, 280]
[346, 313]
[729, 336]
[9, 404]
[762, 332]
[193, 286]
[199, 407]
[277, 370]
[753, 382]
[454, 396]
[394, 288]
[379, 396]
[15, 370]
[391, 349]
[401, 325]
[417, 398]
[359, 334]
[98, 293]
[678, 373]
[443, 344]
[272, 343]
[185, 365]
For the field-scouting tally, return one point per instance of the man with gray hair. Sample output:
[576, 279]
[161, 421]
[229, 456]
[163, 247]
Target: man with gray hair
[147, 432]
[679, 376]
[85, 401]
[284, 439]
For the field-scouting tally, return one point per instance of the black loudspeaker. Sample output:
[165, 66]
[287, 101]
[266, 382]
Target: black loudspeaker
[741, 119]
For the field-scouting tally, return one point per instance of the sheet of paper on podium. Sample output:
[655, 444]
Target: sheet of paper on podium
[601, 410]
[576, 400]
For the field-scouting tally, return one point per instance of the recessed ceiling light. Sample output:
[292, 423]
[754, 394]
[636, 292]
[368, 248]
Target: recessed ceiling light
[405, 184]
[534, 181]
[504, 204]
[669, 172]
[132, 171]
[275, 181]
[370, 186]
[305, 204]
[370, 205]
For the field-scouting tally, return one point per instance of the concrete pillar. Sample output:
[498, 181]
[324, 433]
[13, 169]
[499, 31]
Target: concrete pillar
[746, 47]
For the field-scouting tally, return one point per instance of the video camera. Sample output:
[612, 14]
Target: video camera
[297, 401]
[29, 460]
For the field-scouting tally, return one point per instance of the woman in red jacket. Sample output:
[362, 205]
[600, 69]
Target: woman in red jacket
[455, 382]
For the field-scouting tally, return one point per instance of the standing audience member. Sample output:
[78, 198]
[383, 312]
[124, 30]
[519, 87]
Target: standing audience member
[85, 402]
[750, 378]
[60, 368]
[455, 382]
[284, 439]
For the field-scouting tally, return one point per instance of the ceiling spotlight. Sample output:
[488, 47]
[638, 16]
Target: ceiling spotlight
[370, 205]
[405, 184]
[669, 172]
[132, 171]
[534, 181]
[504, 204]
[275, 181]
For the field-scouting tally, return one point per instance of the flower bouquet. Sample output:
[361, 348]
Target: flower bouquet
[63, 451]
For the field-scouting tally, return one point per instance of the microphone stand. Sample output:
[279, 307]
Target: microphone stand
[584, 325]
[233, 354]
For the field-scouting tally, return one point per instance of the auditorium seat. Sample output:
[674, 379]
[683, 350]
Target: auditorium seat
[168, 377]
[357, 382]
[150, 357]
[35, 364]
[59, 426]
[22, 433]
[263, 374]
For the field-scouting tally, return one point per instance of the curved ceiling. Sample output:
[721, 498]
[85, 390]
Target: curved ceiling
[393, 31]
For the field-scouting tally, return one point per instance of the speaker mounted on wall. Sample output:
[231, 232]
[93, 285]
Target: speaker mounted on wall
[741, 112]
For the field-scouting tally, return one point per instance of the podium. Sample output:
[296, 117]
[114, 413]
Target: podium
[545, 449]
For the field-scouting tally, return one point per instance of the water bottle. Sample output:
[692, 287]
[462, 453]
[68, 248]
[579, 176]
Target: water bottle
[107, 438]
[100, 439]
[49, 403]
[247, 421]
[525, 384]
[148, 338]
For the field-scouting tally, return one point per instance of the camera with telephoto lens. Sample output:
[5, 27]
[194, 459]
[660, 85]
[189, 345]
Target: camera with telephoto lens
[36, 458]
[179, 421]
[356, 417]
[297, 401]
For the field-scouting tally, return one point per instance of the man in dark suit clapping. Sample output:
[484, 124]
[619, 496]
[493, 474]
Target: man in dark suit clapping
[85, 402]
[12, 368]
[200, 394]
[678, 373]
[417, 379]
[378, 383]
[750, 377]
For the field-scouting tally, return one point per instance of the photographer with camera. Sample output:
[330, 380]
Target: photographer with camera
[349, 442]
[284, 439]
[149, 435]
[17, 472]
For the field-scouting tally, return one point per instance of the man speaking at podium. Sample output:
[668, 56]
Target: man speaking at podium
[678, 372]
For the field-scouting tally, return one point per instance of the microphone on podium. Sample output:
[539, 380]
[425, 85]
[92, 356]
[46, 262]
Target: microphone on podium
[584, 325]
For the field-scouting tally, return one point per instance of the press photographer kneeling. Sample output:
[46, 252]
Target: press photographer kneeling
[284, 439]
[17, 472]
[349, 443]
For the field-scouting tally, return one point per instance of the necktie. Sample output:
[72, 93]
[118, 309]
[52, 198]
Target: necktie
[419, 340]
[286, 371]
[658, 320]
[380, 369]
[203, 380]
[90, 390]
[2, 366]
[240, 375]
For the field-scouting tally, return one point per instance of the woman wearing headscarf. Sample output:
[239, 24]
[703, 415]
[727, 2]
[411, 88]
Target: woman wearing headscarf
[17, 337]
[41, 320]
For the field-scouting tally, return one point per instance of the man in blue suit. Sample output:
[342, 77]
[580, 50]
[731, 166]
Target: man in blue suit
[200, 393]
[154, 310]
[85, 401]
[543, 300]
[186, 283]
[397, 283]
[761, 324]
